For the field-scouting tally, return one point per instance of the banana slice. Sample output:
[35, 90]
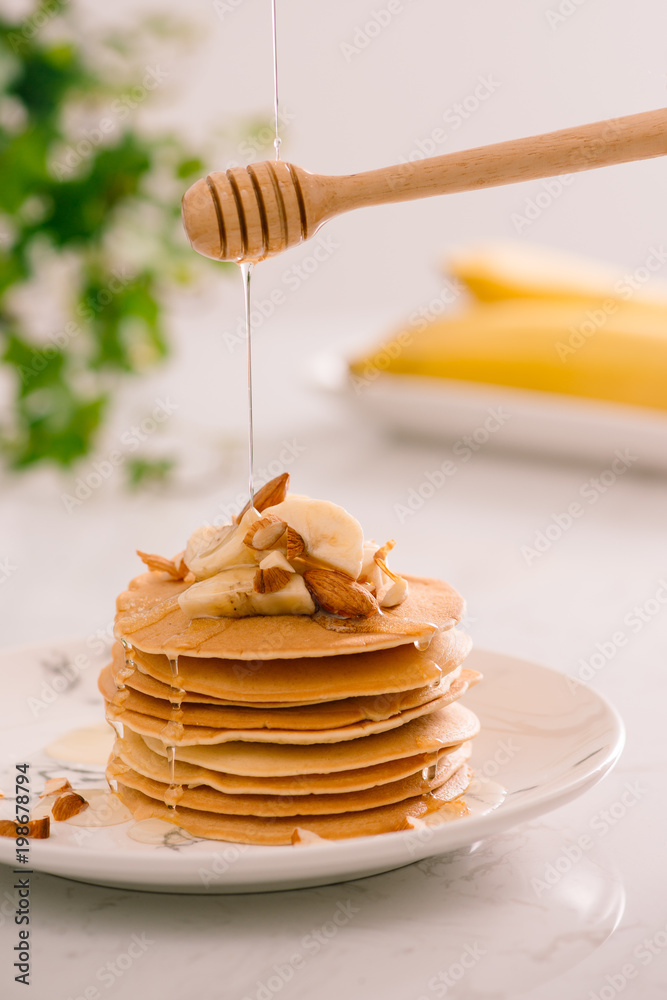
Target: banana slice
[331, 534]
[292, 599]
[211, 550]
[227, 594]
[231, 594]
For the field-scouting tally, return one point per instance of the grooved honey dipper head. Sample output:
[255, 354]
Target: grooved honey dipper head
[246, 213]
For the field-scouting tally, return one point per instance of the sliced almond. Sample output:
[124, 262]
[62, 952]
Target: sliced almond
[295, 545]
[380, 559]
[38, 829]
[268, 581]
[68, 805]
[384, 551]
[179, 562]
[392, 593]
[161, 563]
[339, 595]
[264, 533]
[55, 786]
[270, 494]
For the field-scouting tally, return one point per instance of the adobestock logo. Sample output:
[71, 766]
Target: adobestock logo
[551, 190]
[591, 491]
[104, 468]
[453, 118]
[464, 449]
[120, 109]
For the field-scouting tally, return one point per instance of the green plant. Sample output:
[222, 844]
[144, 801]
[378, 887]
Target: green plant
[89, 233]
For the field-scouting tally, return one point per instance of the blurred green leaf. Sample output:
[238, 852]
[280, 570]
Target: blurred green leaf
[142, 471]
[69, 182]
[191, 167]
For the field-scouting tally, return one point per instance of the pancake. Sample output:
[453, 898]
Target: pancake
[350, 709]
[311, 679]
[150, 618]
[179, 734]
[446, 727]
[278, 729]
[281, 830]
[326, 715]
[136, 754]
[145, 684]
[202, 797]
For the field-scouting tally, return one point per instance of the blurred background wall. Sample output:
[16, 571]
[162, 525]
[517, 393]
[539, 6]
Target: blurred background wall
[362, 85]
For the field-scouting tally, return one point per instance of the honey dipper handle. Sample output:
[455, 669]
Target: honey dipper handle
[599, 144]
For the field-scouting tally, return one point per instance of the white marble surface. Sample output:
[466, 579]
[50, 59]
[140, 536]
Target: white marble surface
[408, 930]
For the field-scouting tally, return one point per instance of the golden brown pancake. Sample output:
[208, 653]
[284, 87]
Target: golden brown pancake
[150, 618]
[451, 652]
[136, 754]
[211, 800]
[277, 729]
[280, 830]
[326, 715]
[444, 728]
[311, 679]
[181, 735]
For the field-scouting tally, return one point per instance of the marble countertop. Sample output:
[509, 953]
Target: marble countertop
[471, 925]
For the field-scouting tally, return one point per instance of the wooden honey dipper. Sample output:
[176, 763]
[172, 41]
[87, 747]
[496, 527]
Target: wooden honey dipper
[249, 213]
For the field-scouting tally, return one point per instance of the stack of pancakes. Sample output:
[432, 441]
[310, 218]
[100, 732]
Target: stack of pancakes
[275, 729]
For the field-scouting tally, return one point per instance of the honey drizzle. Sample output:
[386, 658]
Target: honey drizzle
[381, 624]
[134, 622]
[174, 792]
[246, 267]
[119, 679]
[246, 271]
[277, 141]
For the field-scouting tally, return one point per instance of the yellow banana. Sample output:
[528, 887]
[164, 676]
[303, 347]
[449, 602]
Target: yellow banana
[599, 348]
[495, 271]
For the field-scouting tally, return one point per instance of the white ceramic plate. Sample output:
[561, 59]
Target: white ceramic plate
[544, 737]
[499, 416]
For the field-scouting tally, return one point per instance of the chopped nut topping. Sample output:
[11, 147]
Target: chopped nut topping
[164, 565]
[339, 594]
[268, 581]
[265, 533]
[270, 494]
[38, 829]
[68, 805]
[381, 556]
[295, 545]
[55, 785]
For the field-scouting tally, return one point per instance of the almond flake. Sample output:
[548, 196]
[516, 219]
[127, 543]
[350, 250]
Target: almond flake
[161, 563]
[56, 786]
[179, 562]
[68, 805]
[295, 545]
[38, 829]
[380, 559]
[271, 493]
[268, 581]
[263, 534]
